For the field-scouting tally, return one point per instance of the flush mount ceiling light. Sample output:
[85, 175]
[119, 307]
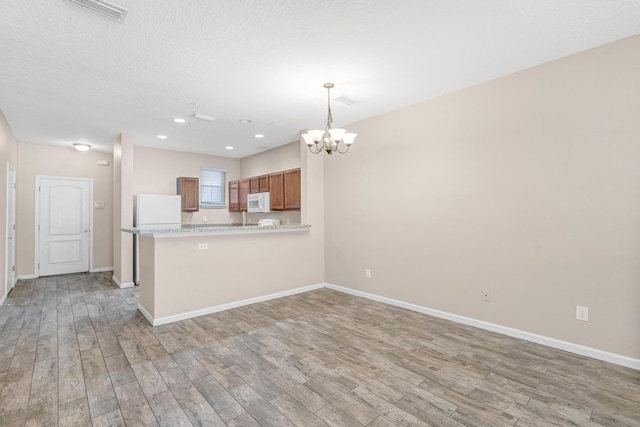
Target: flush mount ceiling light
[102, 7]
[228, 147]
[82, 147]
[330, 140]
[258, 135]
[162, 136]
[179, 120]
[245, 121]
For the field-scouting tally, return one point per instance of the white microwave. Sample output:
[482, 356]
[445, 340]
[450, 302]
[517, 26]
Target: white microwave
[258, 202]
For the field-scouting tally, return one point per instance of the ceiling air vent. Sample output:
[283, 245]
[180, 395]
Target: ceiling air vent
[204, 117]
[102, 7]
[346, 100]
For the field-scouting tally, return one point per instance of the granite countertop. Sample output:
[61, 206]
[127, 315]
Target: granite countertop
[186, 230]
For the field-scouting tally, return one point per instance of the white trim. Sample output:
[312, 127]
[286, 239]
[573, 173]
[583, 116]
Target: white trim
[4, 298]
[121, 285]
[101, 269]
[145, 313]
[594, 353]
[201, 312]
[27, 277]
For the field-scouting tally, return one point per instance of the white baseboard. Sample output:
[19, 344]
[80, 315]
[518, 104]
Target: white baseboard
[27, 277]
[195, 313]
[4, 298]
[122, 285]
[605, 356]
[101, 269]
[145, 313]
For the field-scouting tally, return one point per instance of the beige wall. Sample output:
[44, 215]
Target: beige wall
[8, 154]
[56, 161]
[528, 186]
[278, 159]
[156, 171]
[176, 277]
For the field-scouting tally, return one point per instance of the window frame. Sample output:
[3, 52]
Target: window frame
[223, 189]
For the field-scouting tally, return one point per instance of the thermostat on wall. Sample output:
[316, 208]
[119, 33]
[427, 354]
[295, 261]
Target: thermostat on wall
[103, 162]
[98, 205]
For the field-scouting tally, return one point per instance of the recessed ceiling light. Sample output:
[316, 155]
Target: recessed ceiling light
[82, 147]
[258, 135]
[162, 136]
[228, 147]
[245, 121]
[179, 120]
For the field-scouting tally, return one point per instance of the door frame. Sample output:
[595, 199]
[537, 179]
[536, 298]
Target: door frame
[10, 170]
[37, 217]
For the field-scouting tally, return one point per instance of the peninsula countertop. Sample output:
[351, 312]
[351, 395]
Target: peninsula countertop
[188, 230]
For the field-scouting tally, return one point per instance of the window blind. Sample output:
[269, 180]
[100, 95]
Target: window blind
[212, 188]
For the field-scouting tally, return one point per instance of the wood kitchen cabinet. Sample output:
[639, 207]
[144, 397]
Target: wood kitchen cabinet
[263, 183]
[255, 184]
[260, 184]
[292, 190]
[284, 189]
[189, 191]
[244, 188]
[276, 191]
[234, 201]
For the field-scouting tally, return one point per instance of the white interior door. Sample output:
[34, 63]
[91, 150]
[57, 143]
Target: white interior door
[64, 225]
[11, 229]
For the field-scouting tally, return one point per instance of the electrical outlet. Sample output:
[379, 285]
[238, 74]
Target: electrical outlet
[203, 246]
[486, 295]
[204, 218]
[367, 273]
[582, 313]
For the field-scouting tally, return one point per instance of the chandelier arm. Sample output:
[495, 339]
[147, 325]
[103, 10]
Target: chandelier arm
[318, 150]
[342, 152]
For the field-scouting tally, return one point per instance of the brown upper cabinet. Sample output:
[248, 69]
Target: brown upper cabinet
[234, 201]
[259, 184]
[263, 183]
[189, 191]
[276, 191]
[255, 184]
[283, 187]
[292, 190]
[244, 188]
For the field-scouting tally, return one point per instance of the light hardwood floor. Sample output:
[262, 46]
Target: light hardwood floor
[74, 351]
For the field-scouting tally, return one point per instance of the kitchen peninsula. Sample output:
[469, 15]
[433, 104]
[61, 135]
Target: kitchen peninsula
[194, 270]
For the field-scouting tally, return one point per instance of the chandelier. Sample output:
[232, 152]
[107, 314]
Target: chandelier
[330, 140]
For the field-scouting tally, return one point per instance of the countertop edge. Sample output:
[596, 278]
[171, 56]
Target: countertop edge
[215, 231]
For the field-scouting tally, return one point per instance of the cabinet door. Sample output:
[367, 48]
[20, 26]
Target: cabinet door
[255, 185]
[189, 190]
[234, 205]
[263, 183]
[276, 190]
[244, 187]
[292, 189]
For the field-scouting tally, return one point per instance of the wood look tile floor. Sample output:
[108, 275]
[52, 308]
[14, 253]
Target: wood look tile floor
[74, 351]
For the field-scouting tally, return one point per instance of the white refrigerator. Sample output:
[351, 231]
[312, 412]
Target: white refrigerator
[153, 211]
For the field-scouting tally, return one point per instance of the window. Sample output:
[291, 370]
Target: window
[212, 185]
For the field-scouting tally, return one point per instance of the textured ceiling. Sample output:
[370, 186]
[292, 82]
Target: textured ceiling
[70, 75]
